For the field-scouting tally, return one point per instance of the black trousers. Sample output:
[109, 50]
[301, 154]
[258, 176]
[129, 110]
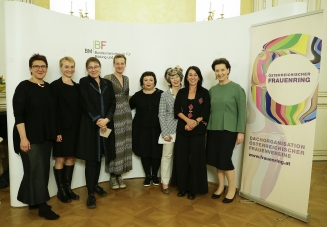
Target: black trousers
[151, 166]
[189, 165]
[92, 173]
[36, 163]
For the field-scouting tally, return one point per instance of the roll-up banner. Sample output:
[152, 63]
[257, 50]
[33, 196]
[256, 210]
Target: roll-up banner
[282, 110]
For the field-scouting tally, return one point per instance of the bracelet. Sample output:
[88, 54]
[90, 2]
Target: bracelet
[197, 122]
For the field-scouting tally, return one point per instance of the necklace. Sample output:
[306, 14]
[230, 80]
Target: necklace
[40, 85]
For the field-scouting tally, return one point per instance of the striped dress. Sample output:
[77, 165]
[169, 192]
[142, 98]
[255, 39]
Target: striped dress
[123, 128]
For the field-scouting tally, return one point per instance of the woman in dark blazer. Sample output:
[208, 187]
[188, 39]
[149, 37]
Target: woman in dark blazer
[98, 106]
[67, 100]
[192, 108]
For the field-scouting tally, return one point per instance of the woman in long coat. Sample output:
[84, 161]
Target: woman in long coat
[98, 105]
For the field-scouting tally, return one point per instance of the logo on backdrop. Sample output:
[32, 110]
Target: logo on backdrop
[100, 50]
[290, 64]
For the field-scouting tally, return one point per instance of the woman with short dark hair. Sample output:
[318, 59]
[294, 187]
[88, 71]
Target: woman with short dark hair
[226, 127]
[146, 127]
[98, 106]
[33, 135]
[192, 109]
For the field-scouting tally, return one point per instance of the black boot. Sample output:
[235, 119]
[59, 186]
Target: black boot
[61, 194]
[68, 181]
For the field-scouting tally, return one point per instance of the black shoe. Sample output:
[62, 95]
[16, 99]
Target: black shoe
[182, 193]
[61, 194]
[100, 191]
[155, 180]
[68, 175]
[191, 196]
[226, 200]
[147, 181]
[33, 207]
[90, 203]
[215, 196]
[46, 212]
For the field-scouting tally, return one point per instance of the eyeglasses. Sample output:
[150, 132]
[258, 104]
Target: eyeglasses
[39, 66]
[95, 67]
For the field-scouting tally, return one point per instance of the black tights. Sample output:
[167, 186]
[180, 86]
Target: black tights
[147, 163]
[92, 173]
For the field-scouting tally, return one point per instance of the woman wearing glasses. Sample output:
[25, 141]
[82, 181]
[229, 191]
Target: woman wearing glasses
[67, 99]
[98, 106]
[33, 135]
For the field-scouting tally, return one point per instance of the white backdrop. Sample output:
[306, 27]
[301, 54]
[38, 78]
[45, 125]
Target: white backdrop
[30, 29]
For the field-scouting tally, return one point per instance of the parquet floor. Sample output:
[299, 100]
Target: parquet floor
[148, 206]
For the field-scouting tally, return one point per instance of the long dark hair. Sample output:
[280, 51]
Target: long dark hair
[198, 71]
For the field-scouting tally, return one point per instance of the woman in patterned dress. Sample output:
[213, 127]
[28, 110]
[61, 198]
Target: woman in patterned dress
[122, 124]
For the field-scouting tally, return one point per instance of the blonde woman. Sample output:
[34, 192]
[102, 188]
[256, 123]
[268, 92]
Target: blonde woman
[122, 124]
[67, 100]
[168, 123]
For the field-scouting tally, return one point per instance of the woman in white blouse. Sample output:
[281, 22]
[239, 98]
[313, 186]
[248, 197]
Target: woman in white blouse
[168, 123]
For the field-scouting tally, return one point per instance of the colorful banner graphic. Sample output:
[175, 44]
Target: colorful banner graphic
[282, 110]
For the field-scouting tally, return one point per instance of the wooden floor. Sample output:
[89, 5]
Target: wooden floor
[148, 206]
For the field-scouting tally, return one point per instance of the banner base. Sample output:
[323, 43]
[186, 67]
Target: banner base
[305, 218]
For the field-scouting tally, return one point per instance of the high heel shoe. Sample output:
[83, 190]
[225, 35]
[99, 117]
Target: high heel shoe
[226, 200]
[215, 196]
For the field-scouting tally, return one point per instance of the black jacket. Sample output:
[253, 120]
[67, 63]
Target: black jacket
[96, 104]
[201, 108]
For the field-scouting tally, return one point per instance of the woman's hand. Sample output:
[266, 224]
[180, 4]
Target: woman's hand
[188, 128]
[59, 138]
[240, 138]
[25, 145]
[102, 122]
[168, 138]
[103, 129]
[192, 123]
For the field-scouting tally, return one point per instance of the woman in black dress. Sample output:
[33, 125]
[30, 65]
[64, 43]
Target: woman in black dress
[66, 95]
[146, 127]
[98, 106]
[192, 108]
[33, 136]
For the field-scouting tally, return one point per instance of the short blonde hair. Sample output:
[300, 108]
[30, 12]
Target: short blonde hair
[67, 58]
[119, 56]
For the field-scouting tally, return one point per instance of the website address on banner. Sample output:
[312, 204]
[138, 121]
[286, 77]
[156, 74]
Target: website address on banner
[270, 159]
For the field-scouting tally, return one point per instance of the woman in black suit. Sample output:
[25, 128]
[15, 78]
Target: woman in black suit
[192, 108]
[98, 106]
[66, 95]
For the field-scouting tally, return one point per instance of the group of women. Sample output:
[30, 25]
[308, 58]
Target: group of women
[93, 119]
